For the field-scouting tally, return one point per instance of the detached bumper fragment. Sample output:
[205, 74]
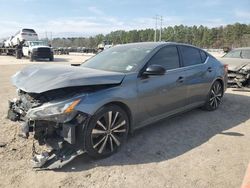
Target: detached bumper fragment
[56, 158]
[14, 113]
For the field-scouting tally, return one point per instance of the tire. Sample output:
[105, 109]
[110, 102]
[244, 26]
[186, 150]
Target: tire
[51, 58]
[31, 57]
[18, 54]
[214, 97]
[106, 131]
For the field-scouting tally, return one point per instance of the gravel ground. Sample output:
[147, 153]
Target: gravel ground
[196, 149]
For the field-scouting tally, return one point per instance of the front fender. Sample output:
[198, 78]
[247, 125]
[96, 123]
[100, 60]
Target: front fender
[125, 93]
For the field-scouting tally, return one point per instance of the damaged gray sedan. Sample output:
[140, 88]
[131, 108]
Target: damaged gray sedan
[238, 61]
[93, 107]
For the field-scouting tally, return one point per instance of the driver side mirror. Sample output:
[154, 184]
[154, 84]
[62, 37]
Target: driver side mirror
[155, 70]
[75, 64]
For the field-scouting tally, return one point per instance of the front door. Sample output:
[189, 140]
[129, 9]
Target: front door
[162, 95]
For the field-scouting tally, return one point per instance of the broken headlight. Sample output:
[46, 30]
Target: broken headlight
[59, 112]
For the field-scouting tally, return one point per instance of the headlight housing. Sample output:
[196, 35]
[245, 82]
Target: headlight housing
[59, 112]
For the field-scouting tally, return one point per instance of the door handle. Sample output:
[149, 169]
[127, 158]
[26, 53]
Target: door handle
[209, 69]
[180, 79]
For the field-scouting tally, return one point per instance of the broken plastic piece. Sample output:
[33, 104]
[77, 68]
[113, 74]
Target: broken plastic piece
[39, 160]
[56, 158]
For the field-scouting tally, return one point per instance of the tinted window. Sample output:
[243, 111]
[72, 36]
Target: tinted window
[245, 54]
[167, 57]
[191, 56]
[203, 56]
[233, 54]
[28, 31]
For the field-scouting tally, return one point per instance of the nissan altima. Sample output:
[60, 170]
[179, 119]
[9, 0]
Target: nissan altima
[94, 106]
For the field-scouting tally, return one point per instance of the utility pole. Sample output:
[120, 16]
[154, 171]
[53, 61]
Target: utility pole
[160, 28]
[156, 18]
[51, 38]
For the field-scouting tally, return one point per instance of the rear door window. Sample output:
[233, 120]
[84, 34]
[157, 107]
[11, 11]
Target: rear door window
[245, 54]
[191, 56]
[167, 57]
[28, 31]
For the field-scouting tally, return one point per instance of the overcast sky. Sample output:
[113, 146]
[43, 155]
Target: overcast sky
[86, 18]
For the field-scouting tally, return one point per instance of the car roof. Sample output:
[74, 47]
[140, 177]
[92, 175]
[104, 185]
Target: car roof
[156, 44]
[243, 48]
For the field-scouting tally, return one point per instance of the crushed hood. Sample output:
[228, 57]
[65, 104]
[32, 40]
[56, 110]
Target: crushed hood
[235, 64]
[41, 78]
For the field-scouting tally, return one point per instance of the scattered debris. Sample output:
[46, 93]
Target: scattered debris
[39, 160]
[88, 175]
[2, 144]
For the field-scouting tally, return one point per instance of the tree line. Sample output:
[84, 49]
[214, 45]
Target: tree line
[233, 35]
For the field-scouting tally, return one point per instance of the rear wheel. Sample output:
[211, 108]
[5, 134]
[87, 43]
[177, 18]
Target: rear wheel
[106, 132]
[214, 97]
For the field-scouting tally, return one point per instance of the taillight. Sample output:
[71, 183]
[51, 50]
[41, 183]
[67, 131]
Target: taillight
[35, 34]
[225, 67]
[23, 34]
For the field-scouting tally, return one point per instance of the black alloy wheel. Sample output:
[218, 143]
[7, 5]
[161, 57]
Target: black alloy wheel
[215, 96]
[106, 132]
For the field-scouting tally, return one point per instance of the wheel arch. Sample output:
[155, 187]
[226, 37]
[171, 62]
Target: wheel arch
[125, 108]
[219, 79]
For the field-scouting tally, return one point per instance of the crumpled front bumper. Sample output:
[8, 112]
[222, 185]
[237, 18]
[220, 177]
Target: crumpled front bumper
[238, 79]
[63, 139]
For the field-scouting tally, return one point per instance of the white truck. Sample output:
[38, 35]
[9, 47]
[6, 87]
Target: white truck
[37, 50]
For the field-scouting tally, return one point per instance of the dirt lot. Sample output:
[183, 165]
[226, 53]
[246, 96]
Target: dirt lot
[196, 149]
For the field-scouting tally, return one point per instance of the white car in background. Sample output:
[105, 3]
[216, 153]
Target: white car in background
[24, 34]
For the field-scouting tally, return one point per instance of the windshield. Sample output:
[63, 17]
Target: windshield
[233, 54]
[38, 43]
[124, 58]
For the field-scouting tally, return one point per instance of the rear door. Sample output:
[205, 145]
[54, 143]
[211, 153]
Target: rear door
[163, 94]
[199, 74]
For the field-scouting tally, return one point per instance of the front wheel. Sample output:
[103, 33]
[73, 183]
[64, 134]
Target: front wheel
[51, 58]
[31, 57]
[106, 132]
[18, 54]
[214, 97]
